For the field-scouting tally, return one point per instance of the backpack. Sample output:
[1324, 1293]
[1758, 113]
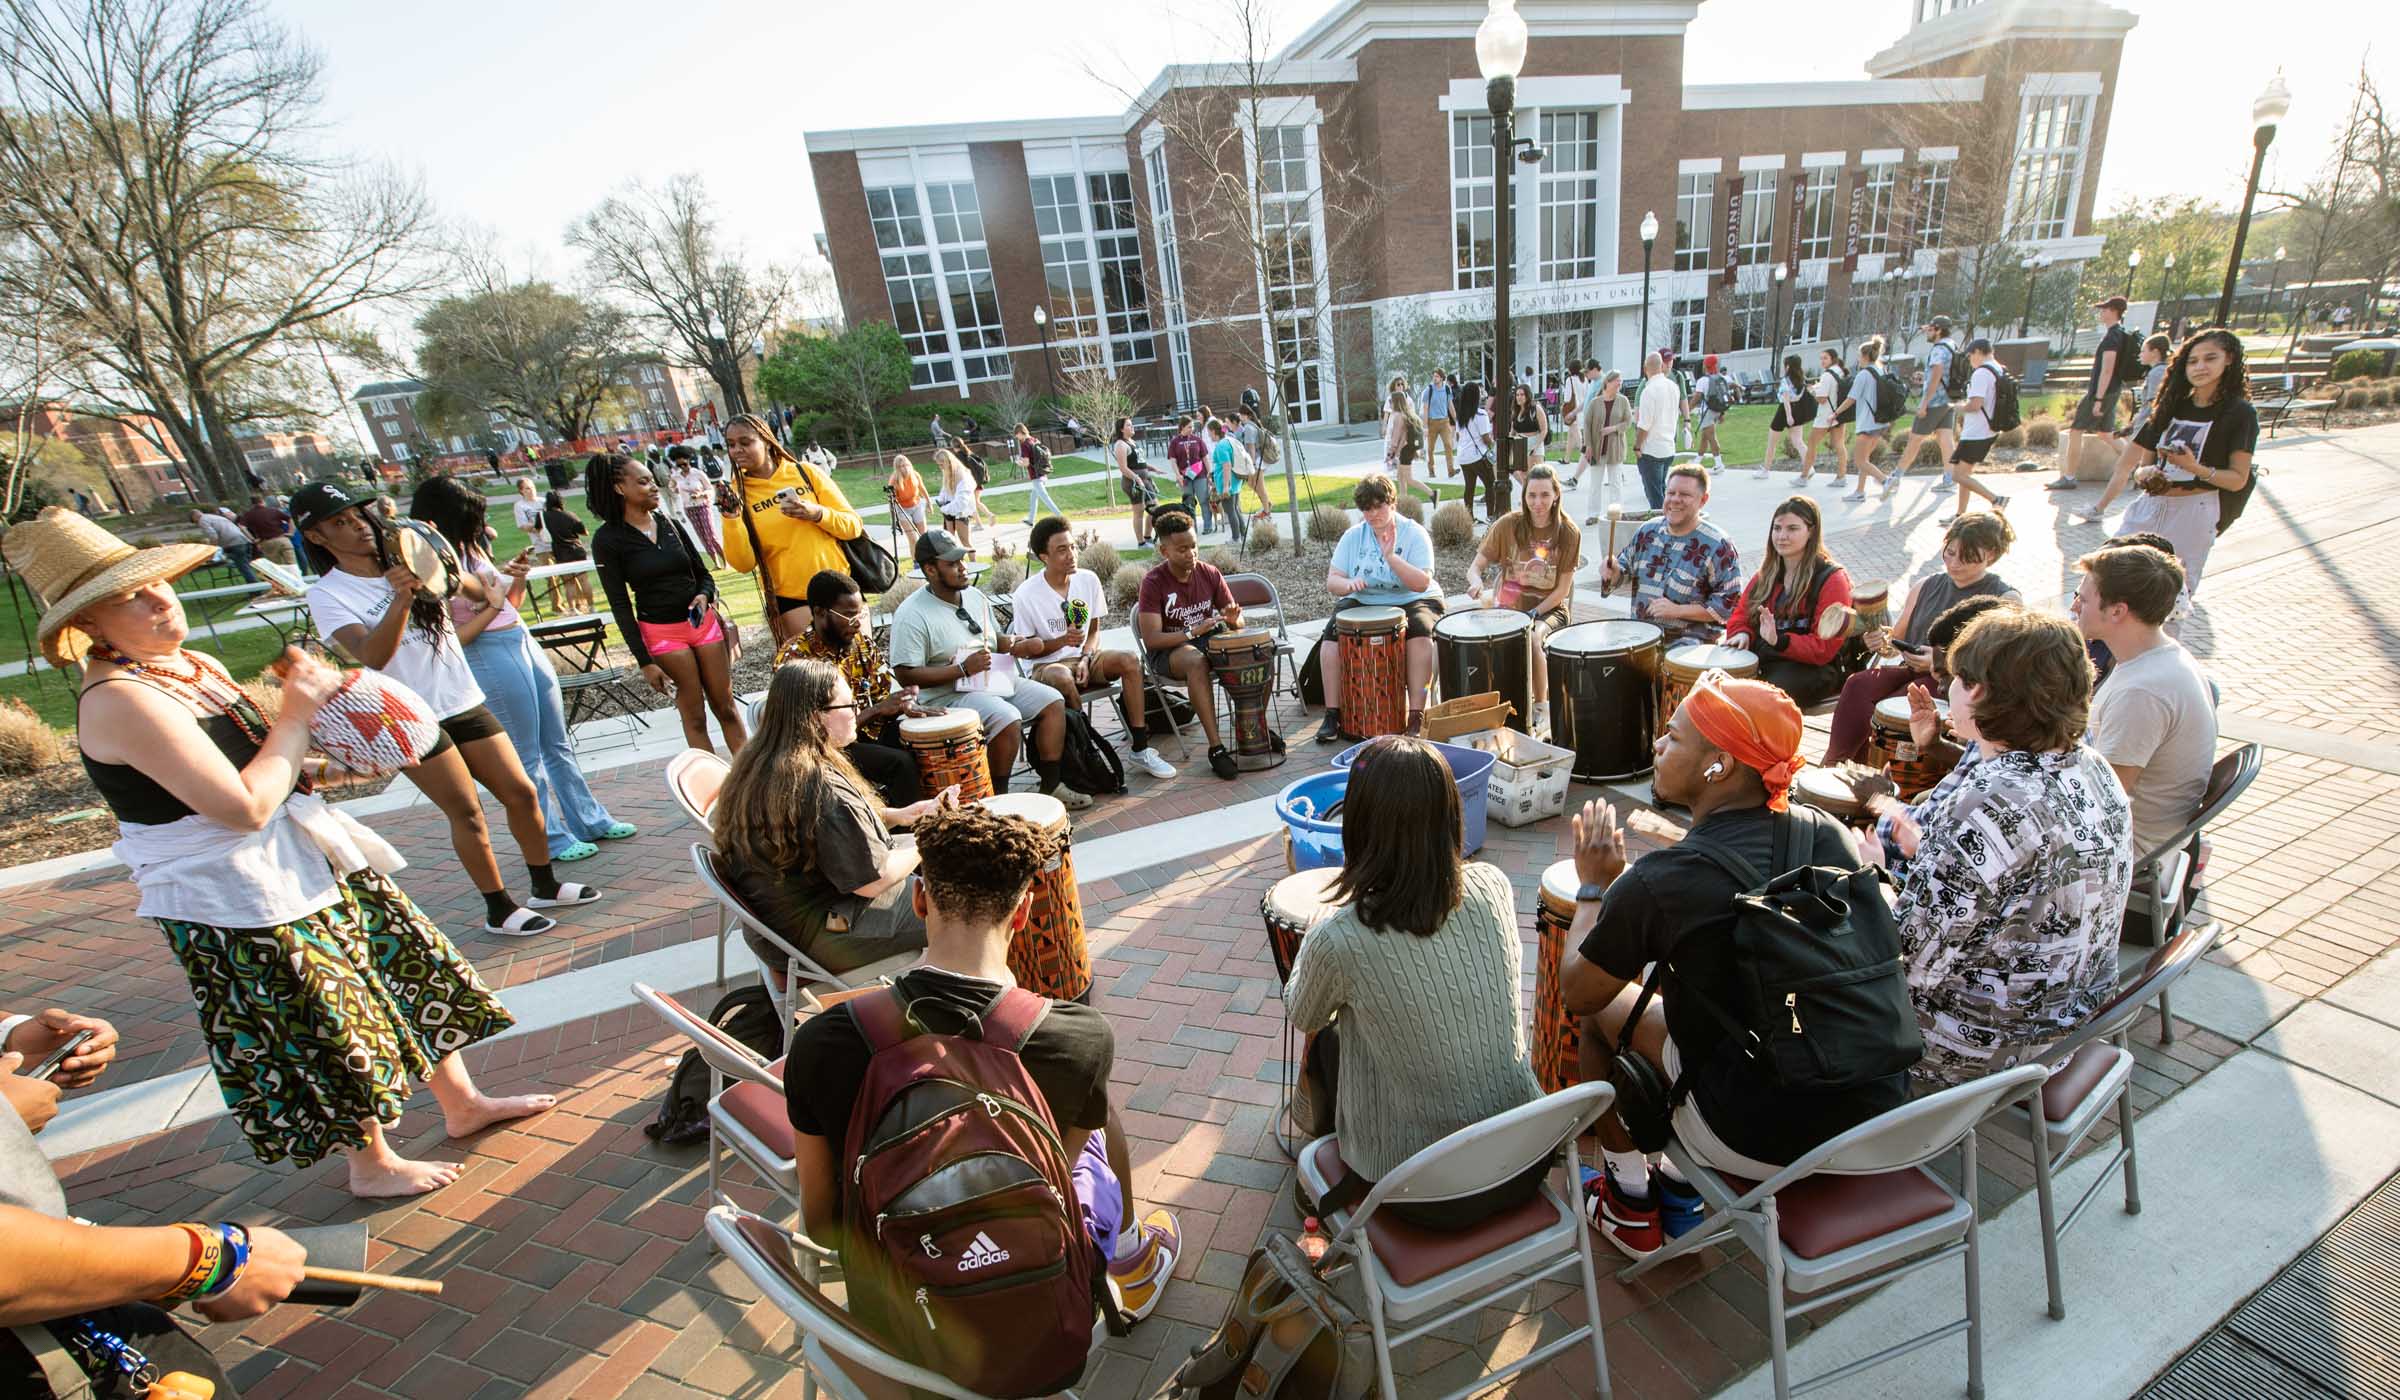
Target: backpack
[1290, 1333]
[963, 1247]
[1823, 1001]
[1086, 762]
[1718, 399]
[1891, 397]
[748, 1015]
[1955, 379]
[1841, 388]
[1269, 451]
[2005, 412]
[1412, 444]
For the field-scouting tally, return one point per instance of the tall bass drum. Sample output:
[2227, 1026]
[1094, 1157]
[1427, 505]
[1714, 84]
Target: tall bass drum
[1488, 649]
[1604, 696]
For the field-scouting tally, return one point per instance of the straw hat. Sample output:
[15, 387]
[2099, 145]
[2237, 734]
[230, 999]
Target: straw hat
[71, 563]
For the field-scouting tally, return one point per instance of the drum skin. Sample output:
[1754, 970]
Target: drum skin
[1293, 906]
[1688, 663]
[949, 749]
[1604, 696]
[1488, 649]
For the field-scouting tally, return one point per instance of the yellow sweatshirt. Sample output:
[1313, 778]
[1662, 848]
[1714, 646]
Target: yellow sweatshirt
[796, 549]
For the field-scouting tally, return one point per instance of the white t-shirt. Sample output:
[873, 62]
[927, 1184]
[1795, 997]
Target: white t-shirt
[1976, 424]
[434, 669]
[1828, 388]
[2154, 713]
[1655, 417]
[528, 515]
[1042, 613]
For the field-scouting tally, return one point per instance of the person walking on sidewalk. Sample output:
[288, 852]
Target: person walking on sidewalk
[2096, 413]
[1038, 501]
[1934, 418]
[1865, 386]
[1793, 409]
[1606, 415]
[1441, 429]
[1655, 416]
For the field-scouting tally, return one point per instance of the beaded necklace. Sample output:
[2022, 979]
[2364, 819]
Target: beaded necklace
[201, 686]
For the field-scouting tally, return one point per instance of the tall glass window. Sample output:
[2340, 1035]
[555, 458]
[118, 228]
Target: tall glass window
[1170, 276]
[1687, 325]
[1808, 315]
[1695, 219]
[1933, 202]
[1116, 243]
[1758, 217]
[1474, 260]
[1294, 295]
[2049, 166]
[1066, 264]
[898, 219]
[1570, 195]
[1875, 216]
[1816, 211]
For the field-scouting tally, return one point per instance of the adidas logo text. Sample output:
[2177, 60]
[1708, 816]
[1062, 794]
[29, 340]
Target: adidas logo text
[982, 1254]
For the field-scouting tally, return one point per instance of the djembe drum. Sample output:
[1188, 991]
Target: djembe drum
[1292, 907]
[1556, 1039]
[1487, 649]
[1893, 748]
[372, 725]
[1604, 696]
[1374, 655]
[1243, 663]
[1827, 790]
[1870, 607]
[1686, 664]
[949, 749]
[1049, 956]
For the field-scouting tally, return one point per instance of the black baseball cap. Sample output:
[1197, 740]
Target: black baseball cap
[938, 544]
[320, 501]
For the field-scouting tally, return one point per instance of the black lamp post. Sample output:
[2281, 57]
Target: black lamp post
[2033, 276]
[2268, 110]
[2164, 270]
[1041, 322]
[2274, 282]
[1500, 56]
[2133, 264]
[1649, 240]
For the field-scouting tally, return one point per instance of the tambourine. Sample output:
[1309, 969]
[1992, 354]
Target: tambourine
[373, 725]
[423, 552]
[283, 581]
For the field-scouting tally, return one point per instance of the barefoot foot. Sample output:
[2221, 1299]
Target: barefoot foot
[398, 1176]
[482, 1112]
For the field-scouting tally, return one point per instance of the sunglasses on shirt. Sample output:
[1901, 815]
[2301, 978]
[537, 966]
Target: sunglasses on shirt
[972, 625]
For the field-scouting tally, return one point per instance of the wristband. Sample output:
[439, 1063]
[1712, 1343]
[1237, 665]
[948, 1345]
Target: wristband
[208, 1249]
[234, 1258]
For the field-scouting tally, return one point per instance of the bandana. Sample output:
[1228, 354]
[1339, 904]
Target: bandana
[1754, 722]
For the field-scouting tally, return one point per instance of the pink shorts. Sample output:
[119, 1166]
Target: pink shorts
[660, 638]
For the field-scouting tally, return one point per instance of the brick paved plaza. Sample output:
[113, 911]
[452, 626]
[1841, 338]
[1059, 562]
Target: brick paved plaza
[571, 1250]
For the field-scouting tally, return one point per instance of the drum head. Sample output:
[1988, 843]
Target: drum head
[1826, 790]
[1480, 623]
[1868, 595]
[1559, 884]
[1892, 711]
[1604, 638]
[1368, 619]
[1834, 621]
[1044, 812]
[1302, 901]
[283, 580]
[949, 724]
[1239, 641]
[1699, 657]
[424, 554]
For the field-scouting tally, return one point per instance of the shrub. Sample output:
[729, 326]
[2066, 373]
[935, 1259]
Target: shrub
[1123, 590]
[27, 745]
[2380, 396]
[1410, 506]
[1100, 557]
[2357, 364]
[898, 593]
[1328, 523]
[1003, 579]
[1264, 535]
[1224, 560]
[2013, 439]
[2351, 398]
[1453, 526]
[2042, 434]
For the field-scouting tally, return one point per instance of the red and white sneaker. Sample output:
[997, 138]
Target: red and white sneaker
[1632, 1226]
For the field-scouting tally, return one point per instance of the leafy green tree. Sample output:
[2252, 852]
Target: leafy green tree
[526, 351]
[850, 376]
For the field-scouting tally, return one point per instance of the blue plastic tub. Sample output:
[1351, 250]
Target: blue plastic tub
[1472, 768]
[1316, 843]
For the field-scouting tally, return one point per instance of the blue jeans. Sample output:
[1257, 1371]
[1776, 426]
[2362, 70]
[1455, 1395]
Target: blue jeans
[1654, 478]
[523, 696]
[1038, 495]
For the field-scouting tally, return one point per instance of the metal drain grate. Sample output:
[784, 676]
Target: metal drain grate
[2326, 1328]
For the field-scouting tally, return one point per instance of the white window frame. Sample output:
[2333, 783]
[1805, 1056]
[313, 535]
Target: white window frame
[1820, 188]
[1290, 197]
[1695, 219]
[1473, 201]
[1877, 185]
[1170, 271]
[1760, 188]
[1933, 199]
[1567, 187]
[2046, 169]
[1687, 324]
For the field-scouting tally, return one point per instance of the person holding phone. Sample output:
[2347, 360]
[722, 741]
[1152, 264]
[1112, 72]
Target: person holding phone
[2193, 453]
[664, 598]
[1970, 547]
[783, 516]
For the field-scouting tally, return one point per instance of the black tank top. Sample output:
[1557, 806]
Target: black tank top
[1528, 421]
[134, 797]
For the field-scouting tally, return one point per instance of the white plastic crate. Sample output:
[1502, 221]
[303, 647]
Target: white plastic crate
[1529, 777]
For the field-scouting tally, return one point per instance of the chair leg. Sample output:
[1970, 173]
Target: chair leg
[2038, 1138]
[1383, 1340]
[2166, 1021]
[1770, 1250]
[2133, 1176]
[1591, 1285]
[723, 938]
[1975, 1272]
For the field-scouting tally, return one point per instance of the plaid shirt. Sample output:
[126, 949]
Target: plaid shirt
[1702, 567]
[862, 663]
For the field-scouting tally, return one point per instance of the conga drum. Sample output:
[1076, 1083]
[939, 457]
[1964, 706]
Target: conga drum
[1604, 696]
[1829, 792]
[1374, 670]
[1244, 663]
[1555, 1037]
[1488, 649]
[1048, 955]
[1891, 747]
[1296, 904]
[1686, 664]
[949, 749]
[1870, 607]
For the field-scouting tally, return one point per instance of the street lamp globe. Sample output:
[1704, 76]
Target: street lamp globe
[1782, 270]
[2279, 252]
[1040, 317]
[2135, 260]
[1649, 220]
[2170, 262]
[2269, 109]
[1500, 42]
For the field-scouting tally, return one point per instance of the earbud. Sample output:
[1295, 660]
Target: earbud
[1716, 770]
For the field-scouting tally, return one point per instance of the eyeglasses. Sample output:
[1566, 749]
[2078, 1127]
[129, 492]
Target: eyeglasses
[972, 625]
[848, 705]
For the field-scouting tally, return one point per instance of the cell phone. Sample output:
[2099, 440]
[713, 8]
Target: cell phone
[788, 496]
[51, 1062]
[698, 614]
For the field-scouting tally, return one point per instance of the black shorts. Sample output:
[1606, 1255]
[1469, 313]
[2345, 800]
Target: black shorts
[1971, 451]
[2097, 413]
[784, 605]
[1160, 664]
[469, 726]
[1418, 615]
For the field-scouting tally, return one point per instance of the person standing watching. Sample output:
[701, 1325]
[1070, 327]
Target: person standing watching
[695, 495]
[1606, 412]
[663, 598]
[906, 491]
[1141, 487]
[1656, 414]
[785, 517]
[1479, 452]
[2096, 413]
[269, 529]
[231, 540]
[1188, 456]
[1686, 573]
[2197, 446]
[1441, 430]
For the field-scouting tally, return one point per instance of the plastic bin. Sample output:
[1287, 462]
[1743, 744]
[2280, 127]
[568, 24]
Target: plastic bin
[1314, 842]
[1471, 768]
[1529, 777]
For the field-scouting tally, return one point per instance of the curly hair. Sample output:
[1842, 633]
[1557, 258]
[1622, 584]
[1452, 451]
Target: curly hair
[2035, 675]
[977, 864]
[2232, 387]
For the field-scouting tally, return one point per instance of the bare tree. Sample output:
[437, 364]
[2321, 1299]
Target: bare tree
[2350, 214]
[155, 155]
[1971, 210]
[704, 303]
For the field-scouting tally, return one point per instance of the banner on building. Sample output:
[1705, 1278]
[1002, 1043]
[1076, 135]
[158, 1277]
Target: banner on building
[1733, 228]
[1858, 193]
[1799, 216]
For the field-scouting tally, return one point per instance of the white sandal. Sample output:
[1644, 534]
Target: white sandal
[568, 893]
[521, 923]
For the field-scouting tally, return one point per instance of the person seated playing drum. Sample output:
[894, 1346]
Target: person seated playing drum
[838, 634]
[1060, 608]
[974, 888]
[1182, 603]
[1533, 553]
[2011, 912]
[1970, 547]
[1686, 574]
[1421, 964]
[944, 637]
[1729, 756]
[1780, 607]
[1384, 561]
[803, 838]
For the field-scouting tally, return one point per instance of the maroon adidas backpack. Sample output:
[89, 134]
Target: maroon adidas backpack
[964, 1249]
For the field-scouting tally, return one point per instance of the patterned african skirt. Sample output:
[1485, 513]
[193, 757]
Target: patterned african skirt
[321, 1024]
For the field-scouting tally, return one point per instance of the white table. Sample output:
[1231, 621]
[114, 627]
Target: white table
[550, 573]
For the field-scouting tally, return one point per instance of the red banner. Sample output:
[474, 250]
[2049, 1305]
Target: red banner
[1733, 228]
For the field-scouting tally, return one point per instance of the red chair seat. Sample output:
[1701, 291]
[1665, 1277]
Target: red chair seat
[765, 1114]
[2066, 1089]
[1825, 1214]
[1411, 1254]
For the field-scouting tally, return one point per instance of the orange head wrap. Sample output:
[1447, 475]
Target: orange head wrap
[1754, 722]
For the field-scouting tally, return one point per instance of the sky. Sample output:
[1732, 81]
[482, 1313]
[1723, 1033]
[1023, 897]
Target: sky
[522, 114]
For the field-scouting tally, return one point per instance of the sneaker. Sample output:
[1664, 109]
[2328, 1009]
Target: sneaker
[1764, 472]
[1072, 800]
[1855, 496]
[1891, 487]
[1220, 762]
[1149, 762]
[1680, 1205]
[1632, 1226]
[1139, 1280]
[1330, 732]
[2088, 517]
[1945, 520]
[2060, 484]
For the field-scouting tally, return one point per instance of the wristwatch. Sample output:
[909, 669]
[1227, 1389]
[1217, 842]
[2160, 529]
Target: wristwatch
[1590, 894]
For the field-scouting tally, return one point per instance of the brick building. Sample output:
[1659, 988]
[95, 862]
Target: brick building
[650, 397]
[119, 460]
[1374, 176]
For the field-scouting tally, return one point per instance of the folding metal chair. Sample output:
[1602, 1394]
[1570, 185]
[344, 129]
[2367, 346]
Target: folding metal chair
[1256, 596]
[1440, 1275]
[694, 778]
[800, 971]
[1858, 1211]
[2091, 1071]
[746, 1107]
[2169, 902]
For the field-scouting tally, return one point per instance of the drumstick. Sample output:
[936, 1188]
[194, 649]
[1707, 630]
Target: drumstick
[355, 1278]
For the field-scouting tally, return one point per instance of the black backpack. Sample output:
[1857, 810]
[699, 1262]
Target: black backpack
[1955, 379]
[1087, 762]
[2005, 411]
[1841, 389]
[1823, 1002]
[1891, 397]
[1718, 395]
[748, 1015]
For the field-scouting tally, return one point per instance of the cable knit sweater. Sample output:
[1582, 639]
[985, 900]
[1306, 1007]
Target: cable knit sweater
[1432, 1034]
